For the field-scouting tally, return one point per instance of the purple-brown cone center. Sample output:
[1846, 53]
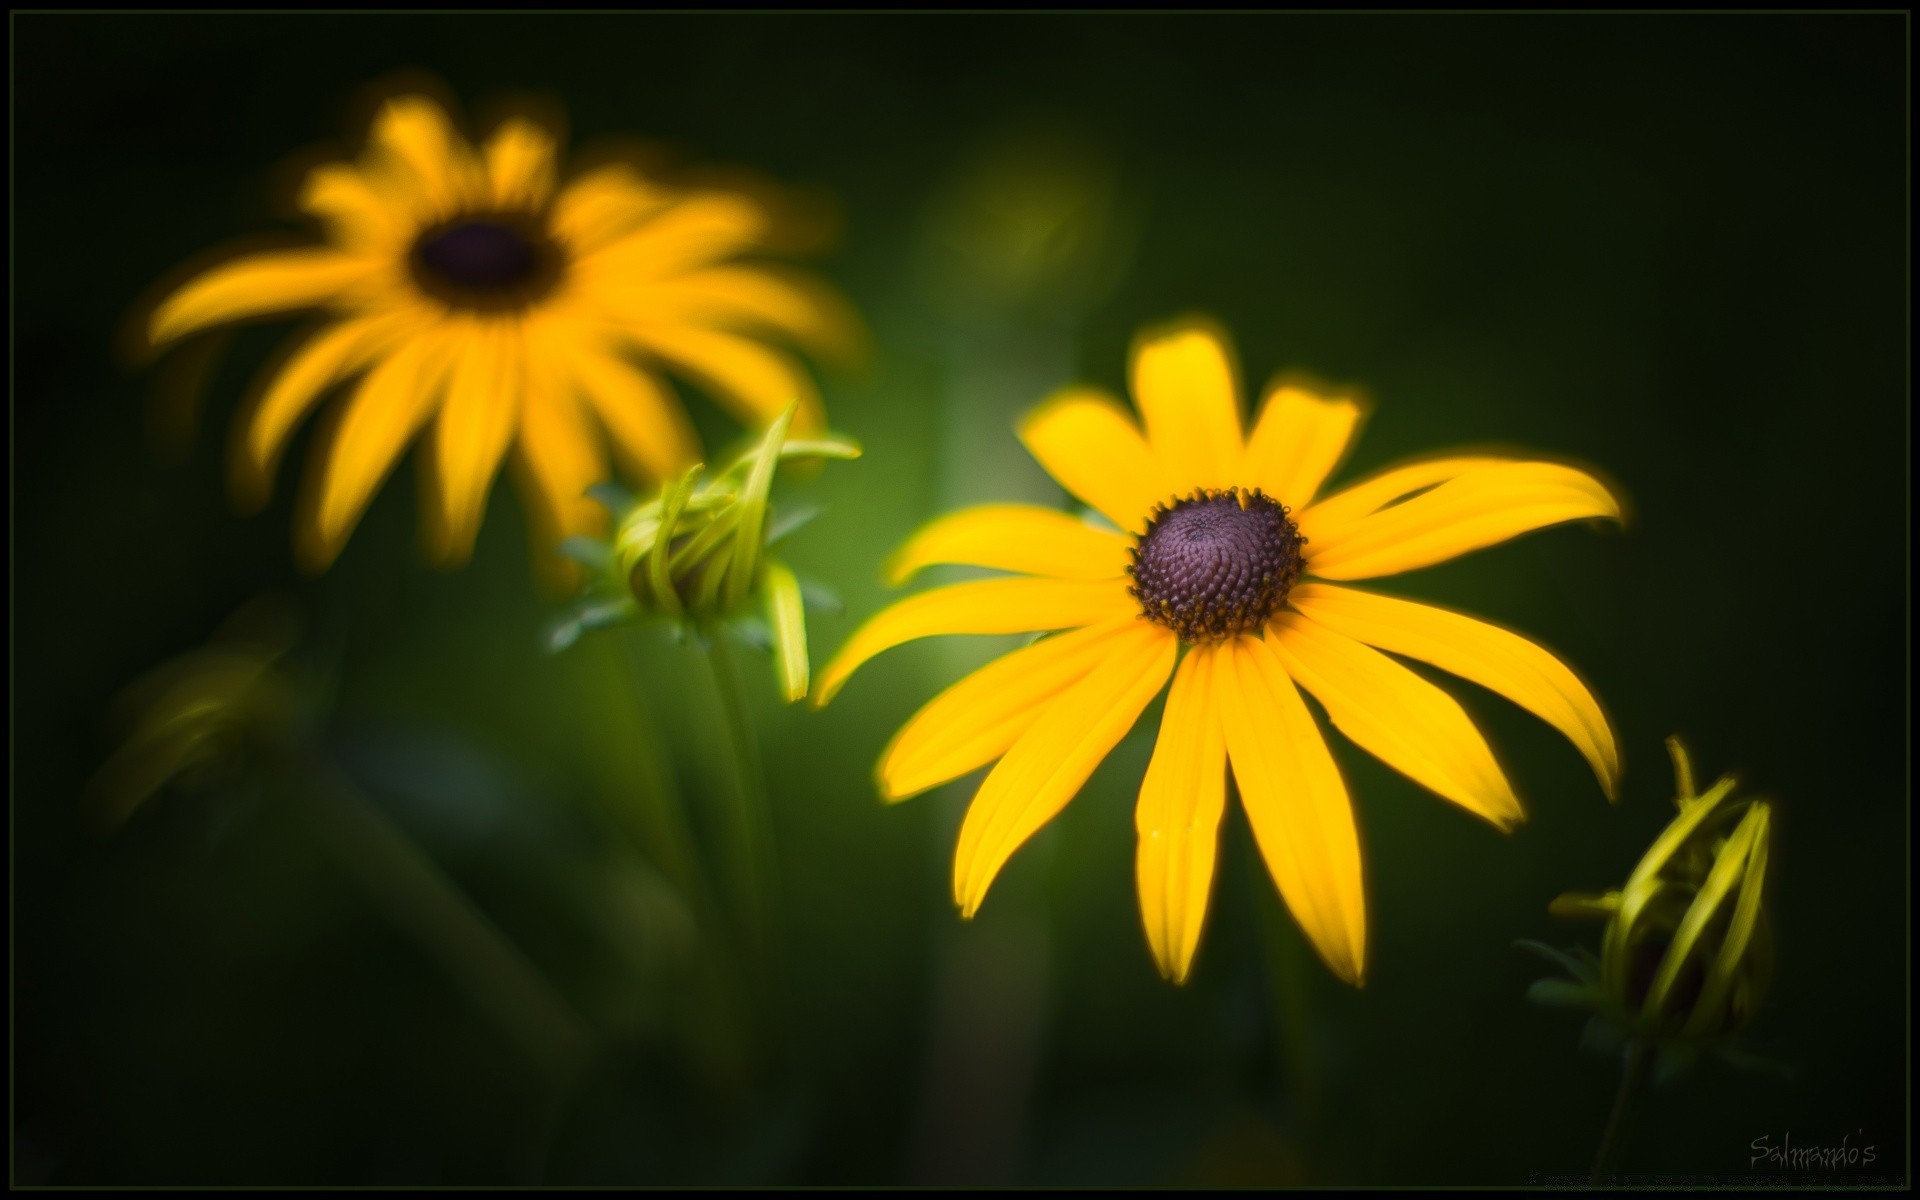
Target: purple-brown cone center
[488, 263]
[1215, 564]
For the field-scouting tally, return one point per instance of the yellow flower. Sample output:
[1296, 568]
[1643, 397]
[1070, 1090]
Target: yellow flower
[1224, 560]
[470, 292]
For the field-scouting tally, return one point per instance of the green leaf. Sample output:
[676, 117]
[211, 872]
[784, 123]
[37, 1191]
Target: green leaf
[1563, 993]
[784, 523]
[591, 615]
[786, 617]
[590, 553]
[1580, 970]
[821, 598]
[614, 497]
[752, 633]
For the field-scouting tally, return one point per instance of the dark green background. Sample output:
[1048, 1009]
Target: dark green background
[1673, 247]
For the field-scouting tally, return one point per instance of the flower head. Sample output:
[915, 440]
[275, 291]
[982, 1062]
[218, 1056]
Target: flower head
[1218, 574]
[1686, 954]
[485, 308]
[696, 553]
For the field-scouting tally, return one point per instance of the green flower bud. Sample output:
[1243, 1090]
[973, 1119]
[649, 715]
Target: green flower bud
[696, 553]
[1686, 953]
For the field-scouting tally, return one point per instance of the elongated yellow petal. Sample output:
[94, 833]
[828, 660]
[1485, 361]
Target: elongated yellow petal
[985, 606]
[356, 215]
[380, 418]
[1396, 716]
[756, 381]
[1183, 381]
[602, 205]
[1295, 801]
[1492, 657]
[475, 426]
[1013, 537]
[977, 719]
[687, 233]
[325, 359]
[558, 454]
[256, 286]
[421, 162]
[520, 171]
[1297, 442]
[754, 299]
[1178, 816]
[1330, 516]
[645, 422]
[1478, 508]
[1054, 757]
[1087, 442]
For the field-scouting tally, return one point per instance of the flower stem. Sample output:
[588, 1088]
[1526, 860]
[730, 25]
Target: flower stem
[421, 899]
[749, 821]
[1633, 1082]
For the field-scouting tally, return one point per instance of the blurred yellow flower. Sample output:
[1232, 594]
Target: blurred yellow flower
[1224, 550]
[469, 291]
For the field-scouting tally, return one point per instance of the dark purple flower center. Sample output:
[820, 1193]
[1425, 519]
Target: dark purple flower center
[1215, 564]
[490, 263]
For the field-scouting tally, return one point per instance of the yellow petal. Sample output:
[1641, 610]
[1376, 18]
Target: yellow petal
[1056, 754]
[976, 720]
[644, 420]
[355, 213]
[1396, 716]
[1183, 381]
[746, 299]
[1087, 443]
[1295, 801]
[475, 426]
[1178, 816]
[420, 162]
[754, 380]
[558, 455]
[985, 606]
[379, 419]
[689, 232]
[331, 355]
[520, 166]
[1329, 516]
[1478, 508]
[1298, 440]
[1494, 658]
[255, 286]
[1013, 537]
[602, 205]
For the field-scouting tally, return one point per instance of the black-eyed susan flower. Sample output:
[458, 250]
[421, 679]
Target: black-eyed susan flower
[484, 308]
[1224, 571]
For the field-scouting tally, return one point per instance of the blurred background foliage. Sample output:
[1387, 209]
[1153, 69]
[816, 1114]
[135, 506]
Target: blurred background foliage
[1673, 247]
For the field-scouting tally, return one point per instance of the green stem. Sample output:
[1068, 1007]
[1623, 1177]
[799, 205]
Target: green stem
[1633, 1083]
[749, 821]
[422, 900]
[1289, 966]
